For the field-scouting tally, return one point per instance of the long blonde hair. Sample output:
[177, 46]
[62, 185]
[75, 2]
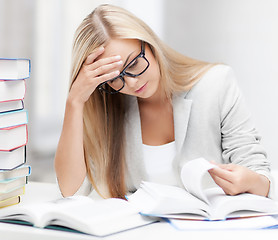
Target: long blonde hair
[104, 141]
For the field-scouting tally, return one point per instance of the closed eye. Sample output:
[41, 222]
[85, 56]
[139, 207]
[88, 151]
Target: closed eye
[133, 65]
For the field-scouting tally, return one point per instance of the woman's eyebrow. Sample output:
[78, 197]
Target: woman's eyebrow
[127, 59]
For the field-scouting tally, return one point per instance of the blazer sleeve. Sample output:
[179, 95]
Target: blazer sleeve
[241, 142]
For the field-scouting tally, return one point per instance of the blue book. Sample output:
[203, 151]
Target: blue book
[14, 68]
[21, 171]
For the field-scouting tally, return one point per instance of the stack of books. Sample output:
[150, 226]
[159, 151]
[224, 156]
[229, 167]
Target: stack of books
[13, 130]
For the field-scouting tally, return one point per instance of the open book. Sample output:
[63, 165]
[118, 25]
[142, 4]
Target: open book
[194, 201]
[79, 213]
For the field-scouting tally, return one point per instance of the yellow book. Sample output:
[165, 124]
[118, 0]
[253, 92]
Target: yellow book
[12, 184]
[16, 192]
[10, 201]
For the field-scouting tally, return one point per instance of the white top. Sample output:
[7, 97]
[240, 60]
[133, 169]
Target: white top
[158, 162]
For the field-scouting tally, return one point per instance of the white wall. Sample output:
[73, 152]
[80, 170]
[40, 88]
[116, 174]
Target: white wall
[55, 23]
[243, 34]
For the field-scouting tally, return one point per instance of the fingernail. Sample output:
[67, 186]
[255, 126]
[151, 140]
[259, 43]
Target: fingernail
[118, 57]
[120, 62]
[99, 49]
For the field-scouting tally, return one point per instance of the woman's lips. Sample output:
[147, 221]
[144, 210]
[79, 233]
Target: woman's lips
[141, 88]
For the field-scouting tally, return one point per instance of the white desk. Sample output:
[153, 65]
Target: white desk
[36, 192]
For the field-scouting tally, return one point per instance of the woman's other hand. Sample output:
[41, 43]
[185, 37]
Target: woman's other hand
[235, 179]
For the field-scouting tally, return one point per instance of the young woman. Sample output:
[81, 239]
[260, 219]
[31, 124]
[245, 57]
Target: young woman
[137, 110]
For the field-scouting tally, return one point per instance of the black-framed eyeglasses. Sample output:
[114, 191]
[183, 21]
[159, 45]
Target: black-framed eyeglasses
[134, 69]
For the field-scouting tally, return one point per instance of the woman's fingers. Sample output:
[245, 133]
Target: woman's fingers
[233, 179]
[107, 68]
[102, 65]
[224, 184]
[96, 68]
[224, 178]
[222, 173]
[104, 61]
[94, 55]
[105, 77]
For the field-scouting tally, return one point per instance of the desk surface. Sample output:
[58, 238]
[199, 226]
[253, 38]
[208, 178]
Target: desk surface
[37, 192]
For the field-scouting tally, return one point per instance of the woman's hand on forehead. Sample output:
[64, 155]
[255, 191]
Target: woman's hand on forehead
[93, 72]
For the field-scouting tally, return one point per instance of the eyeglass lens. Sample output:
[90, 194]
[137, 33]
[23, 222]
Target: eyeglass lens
[134, 68]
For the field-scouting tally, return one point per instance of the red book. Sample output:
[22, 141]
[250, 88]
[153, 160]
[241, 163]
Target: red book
[13, 137]
[12, 90]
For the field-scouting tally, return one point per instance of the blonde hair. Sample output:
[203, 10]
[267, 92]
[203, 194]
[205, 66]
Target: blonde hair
[104, 147]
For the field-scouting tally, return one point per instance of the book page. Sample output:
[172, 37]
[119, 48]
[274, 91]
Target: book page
[27, 213]
[34, 213]
[235, 224]
[102, 217]
[157, 200]
[241, 205]
[192, 174]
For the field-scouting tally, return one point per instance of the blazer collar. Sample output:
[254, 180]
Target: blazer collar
[181, 111]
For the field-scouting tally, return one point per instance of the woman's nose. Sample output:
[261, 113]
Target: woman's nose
[131, 81]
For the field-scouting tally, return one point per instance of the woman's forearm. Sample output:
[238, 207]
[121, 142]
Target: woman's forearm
[69, 160]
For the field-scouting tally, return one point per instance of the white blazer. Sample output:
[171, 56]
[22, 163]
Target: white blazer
[210, 121]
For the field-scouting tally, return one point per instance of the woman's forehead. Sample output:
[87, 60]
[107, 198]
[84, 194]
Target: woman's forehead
[122, 47]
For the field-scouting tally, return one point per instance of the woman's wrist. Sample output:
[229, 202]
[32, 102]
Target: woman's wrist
[74, 103]
[260, 185]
